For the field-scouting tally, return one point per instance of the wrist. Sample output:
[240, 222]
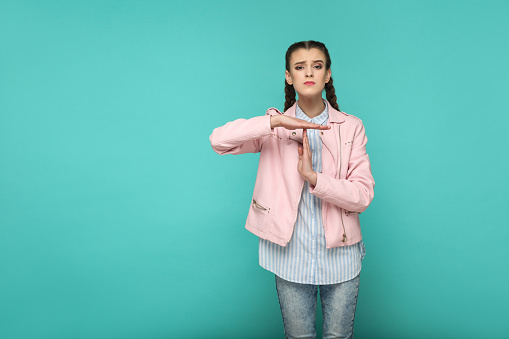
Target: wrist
[312, 178]
[274, 121]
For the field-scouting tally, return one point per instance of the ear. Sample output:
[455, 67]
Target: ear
[288, 78]
[328, 75]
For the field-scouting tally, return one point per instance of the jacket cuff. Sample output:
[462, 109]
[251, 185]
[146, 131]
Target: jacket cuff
[271, 129]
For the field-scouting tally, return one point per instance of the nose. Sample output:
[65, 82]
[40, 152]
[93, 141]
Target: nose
[309, 73]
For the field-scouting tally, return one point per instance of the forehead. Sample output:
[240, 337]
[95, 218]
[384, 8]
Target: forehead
[308, 56]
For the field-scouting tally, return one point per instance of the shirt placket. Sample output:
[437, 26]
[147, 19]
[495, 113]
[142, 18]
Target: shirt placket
[314, 224]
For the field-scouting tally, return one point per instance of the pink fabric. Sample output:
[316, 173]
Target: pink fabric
[346, 185]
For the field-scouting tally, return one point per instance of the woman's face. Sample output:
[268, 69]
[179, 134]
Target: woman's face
[307, 72]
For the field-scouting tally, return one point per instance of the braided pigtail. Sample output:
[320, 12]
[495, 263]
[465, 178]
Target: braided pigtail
[289, 95]
[330, 94]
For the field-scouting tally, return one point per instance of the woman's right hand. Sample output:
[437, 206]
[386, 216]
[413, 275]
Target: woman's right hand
[293, 123]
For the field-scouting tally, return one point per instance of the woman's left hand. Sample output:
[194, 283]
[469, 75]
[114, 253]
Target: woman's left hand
[305, 166]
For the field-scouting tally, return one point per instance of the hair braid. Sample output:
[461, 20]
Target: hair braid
[289, 95]
[330, 94]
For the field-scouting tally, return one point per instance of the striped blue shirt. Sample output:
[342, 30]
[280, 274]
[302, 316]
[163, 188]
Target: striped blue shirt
[305, 259]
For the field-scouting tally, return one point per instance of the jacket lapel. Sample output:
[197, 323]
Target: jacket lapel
[329, 142]
[330, 137]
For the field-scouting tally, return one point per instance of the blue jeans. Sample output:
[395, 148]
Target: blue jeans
[298, 308]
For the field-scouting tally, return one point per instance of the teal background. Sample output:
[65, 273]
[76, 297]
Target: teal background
[117, 219]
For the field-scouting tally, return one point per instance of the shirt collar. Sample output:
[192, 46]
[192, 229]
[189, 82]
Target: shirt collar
[319, 119]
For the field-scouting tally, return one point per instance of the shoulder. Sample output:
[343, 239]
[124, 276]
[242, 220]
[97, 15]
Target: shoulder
[351, 117]
[353, 124]
[352, 121]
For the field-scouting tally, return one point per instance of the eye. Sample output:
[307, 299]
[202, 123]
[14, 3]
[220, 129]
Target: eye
[298, 67]
[319, 66]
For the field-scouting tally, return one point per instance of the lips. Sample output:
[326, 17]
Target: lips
[309, 83]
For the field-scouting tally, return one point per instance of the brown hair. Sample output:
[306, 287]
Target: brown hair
[290, 94]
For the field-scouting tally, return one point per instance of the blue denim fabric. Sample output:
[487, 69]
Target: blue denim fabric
[298, 308]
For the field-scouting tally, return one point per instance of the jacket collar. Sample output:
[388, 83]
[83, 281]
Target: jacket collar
[334, 115]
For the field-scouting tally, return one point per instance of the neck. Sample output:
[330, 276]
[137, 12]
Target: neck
[312, 107]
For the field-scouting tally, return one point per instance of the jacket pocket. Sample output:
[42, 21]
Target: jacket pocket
[261, 207]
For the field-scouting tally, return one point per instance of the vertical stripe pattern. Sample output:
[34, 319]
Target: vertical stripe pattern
[305, 259]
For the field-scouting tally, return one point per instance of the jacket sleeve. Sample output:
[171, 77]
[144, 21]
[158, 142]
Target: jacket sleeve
[241, 135]
[356, 192]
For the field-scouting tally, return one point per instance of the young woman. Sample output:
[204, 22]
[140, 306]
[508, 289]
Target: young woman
[314, 179]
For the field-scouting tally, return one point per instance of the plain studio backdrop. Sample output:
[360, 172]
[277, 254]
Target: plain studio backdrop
[117, 219]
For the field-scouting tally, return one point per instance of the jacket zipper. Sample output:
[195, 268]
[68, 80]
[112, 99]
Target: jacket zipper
[258, 205]
[344, 231]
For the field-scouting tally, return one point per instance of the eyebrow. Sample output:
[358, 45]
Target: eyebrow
[303, 62]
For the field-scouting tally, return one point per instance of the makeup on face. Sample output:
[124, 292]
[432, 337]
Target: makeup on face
[308, 71]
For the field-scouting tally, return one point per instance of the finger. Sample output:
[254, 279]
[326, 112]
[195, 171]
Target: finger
[305, 141]
[316, 126]
[306, 124]
[307, 149]
[300, 150]
[307, 145]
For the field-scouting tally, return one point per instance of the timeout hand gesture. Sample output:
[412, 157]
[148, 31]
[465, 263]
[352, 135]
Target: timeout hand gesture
[305, 165]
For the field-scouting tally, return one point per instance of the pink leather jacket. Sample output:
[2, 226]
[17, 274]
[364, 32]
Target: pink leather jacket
[345, 185]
